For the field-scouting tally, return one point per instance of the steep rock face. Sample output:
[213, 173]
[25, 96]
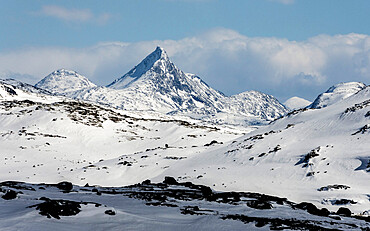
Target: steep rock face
[64, 81]
[337, 93]
[296, 103]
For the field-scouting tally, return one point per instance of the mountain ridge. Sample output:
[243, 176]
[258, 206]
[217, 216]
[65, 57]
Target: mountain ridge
[337, 93]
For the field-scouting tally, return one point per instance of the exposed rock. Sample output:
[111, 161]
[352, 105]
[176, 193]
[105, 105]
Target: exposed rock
[10, 195]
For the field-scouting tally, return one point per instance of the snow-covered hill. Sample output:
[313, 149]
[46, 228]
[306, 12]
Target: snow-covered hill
[336, 93]
[156, 84]
[64, 81]
[295, 102]
[321, 156]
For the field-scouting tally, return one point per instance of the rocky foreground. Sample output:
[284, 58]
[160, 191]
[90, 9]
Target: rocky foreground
[160, 206]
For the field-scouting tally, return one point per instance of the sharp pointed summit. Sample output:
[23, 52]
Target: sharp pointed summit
[164, 86]
[157, 58]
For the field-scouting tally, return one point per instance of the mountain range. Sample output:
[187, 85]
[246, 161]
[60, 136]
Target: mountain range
[156, 84]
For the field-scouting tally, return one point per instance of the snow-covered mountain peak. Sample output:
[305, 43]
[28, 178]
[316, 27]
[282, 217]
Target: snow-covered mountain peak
[336, 93]
[63, 81]
[258, 104]
[296, 103]
[156, 61]
[157, 84]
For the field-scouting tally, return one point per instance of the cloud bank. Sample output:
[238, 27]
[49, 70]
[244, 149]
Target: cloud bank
[225, 59]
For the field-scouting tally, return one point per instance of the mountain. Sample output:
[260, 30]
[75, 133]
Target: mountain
[156, 84]
[296, 103]
[255, 103]
[64, 81]
[337, 93]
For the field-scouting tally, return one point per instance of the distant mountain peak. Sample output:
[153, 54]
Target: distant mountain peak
[158, 58]
[63, 81]
[295, 102]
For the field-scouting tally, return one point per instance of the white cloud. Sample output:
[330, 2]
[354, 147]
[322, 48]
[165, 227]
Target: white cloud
[73, 15]
[225, 59]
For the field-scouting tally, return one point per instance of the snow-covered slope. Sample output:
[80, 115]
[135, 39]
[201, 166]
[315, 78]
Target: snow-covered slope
[64, 81]
[336, 93]
[321, 156]
[156, 84]
[296, 103]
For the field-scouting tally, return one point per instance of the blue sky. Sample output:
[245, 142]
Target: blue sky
[67, 29]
